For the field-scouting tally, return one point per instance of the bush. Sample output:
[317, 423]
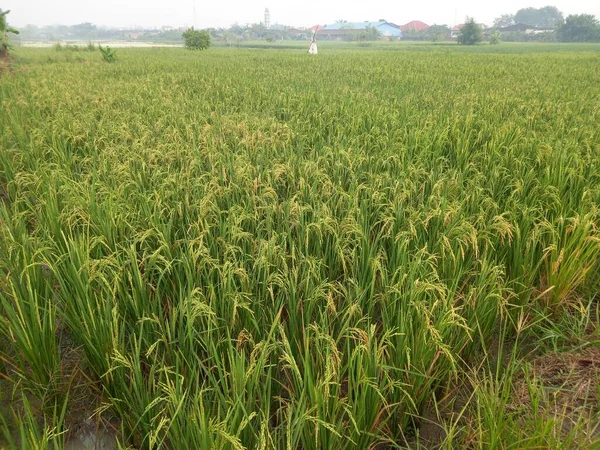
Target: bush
[495, 38]
[196, 39]
[471, 33]
[108, 54]
[369, 34]
[90, 47]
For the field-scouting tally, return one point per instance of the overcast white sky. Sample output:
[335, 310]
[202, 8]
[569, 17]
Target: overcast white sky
[222, 13]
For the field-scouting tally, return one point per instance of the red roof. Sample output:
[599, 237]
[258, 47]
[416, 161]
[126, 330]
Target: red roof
[458, 27]
[416, 25]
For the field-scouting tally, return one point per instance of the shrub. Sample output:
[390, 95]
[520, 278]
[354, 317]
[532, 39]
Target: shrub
[495, 38]
[108, 54]
[471, 33]
[196, 39]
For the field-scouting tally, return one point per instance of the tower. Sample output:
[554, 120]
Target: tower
[267, 19]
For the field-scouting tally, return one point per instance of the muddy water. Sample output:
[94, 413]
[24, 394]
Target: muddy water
[89, 438]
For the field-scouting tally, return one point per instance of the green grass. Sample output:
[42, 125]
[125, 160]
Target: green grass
[420, 46]
[260, 249]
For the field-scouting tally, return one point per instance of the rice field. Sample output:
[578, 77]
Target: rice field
[256, 249]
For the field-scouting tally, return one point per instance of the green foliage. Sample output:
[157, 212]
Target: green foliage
[196, 39]
[219, 259]
[437, 33]
[522, 36]
[580, 28]
[471, 33]
[495, 38]
[90, 47]
[5, 29]
[505, 20]
[434, 33]
[414, 35]
[108, 54]
[369, 34]
[546, 17]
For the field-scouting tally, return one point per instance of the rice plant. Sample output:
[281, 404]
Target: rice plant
[108, 54]
[260, 250]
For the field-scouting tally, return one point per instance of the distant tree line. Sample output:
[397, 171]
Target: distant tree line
[80, 32]
[546, 17]
[434, 33]
[573, 28]
[90, 32]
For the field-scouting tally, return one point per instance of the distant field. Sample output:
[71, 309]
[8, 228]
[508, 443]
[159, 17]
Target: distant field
[379, 247]
[116, 44]
[506, 47]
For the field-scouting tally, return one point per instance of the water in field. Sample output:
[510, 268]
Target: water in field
[92, 440]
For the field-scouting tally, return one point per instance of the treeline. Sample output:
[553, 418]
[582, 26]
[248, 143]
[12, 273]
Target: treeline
[90, 32]
[549, 22]
[552, 24]
[83, 32]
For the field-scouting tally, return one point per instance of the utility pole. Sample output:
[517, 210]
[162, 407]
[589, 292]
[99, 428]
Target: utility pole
[195, 24]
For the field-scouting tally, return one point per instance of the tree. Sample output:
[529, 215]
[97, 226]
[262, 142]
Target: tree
[471, 33]
[527, 16]
[236, 29]
[84, 30]
[413, 35]
[580, 28]
[505, 20]
[550, 17]
[258, 31]
[4, 31]
[546, 17]
[369, 34]
[437, 33]
[196, 39]
[495, 38]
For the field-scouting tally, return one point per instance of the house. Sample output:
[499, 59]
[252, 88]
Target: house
[455, 31]
[415, 25]
[297, 33]
[524, 28]
[539, 30]
[517, 28]
[349, 30]
[315, 28]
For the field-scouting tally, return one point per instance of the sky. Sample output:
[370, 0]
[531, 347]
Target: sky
[157, 13]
